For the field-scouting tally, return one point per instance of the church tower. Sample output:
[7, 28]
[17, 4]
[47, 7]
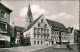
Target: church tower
[29, 17]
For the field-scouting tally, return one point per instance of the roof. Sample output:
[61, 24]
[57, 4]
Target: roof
[77, 31]
[55, 24]
[19, 28]
[29, 26]
[50, 22]
[5, 8]
[70, 29]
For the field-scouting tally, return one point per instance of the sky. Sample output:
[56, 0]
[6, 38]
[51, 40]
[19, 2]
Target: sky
[65, 12]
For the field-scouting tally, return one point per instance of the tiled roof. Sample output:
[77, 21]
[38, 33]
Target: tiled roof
[50, 22]
[55, 24]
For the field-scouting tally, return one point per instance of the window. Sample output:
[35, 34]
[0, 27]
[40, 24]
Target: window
[52, 37]
[2, 26]
[38, 24]
[2, 14]
[18, 41]
[38, 42]
[49, 42]
[38, 36]
[52, 32]
[34, 29]
[41, 42]
[44, 35]
[18, 32]
[34, 36]
[30, 21]
[47, 30]
[34, 42]
[62, 33]
[45, 25]
[42, 20]
[44, 30]
[47, 37]
[57, 33]
[38, 30]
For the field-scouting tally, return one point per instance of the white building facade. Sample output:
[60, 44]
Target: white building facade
[43, 31]
[40, 32]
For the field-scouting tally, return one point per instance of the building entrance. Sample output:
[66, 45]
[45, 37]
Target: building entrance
[2, 43]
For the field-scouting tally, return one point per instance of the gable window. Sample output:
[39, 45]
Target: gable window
[38, 24]
[2, 14]
[42, 20]
[45, 25]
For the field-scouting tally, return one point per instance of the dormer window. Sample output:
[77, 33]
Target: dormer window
[42, 20]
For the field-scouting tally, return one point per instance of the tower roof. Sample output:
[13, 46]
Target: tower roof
[29, 13]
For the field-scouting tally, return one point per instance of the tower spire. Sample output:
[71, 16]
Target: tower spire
[29, 17]
[29, 14]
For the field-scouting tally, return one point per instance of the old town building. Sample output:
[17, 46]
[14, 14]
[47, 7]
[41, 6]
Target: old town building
[4, 25]
[43, 31]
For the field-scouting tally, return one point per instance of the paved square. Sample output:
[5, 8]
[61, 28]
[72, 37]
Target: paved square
[74, 48]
